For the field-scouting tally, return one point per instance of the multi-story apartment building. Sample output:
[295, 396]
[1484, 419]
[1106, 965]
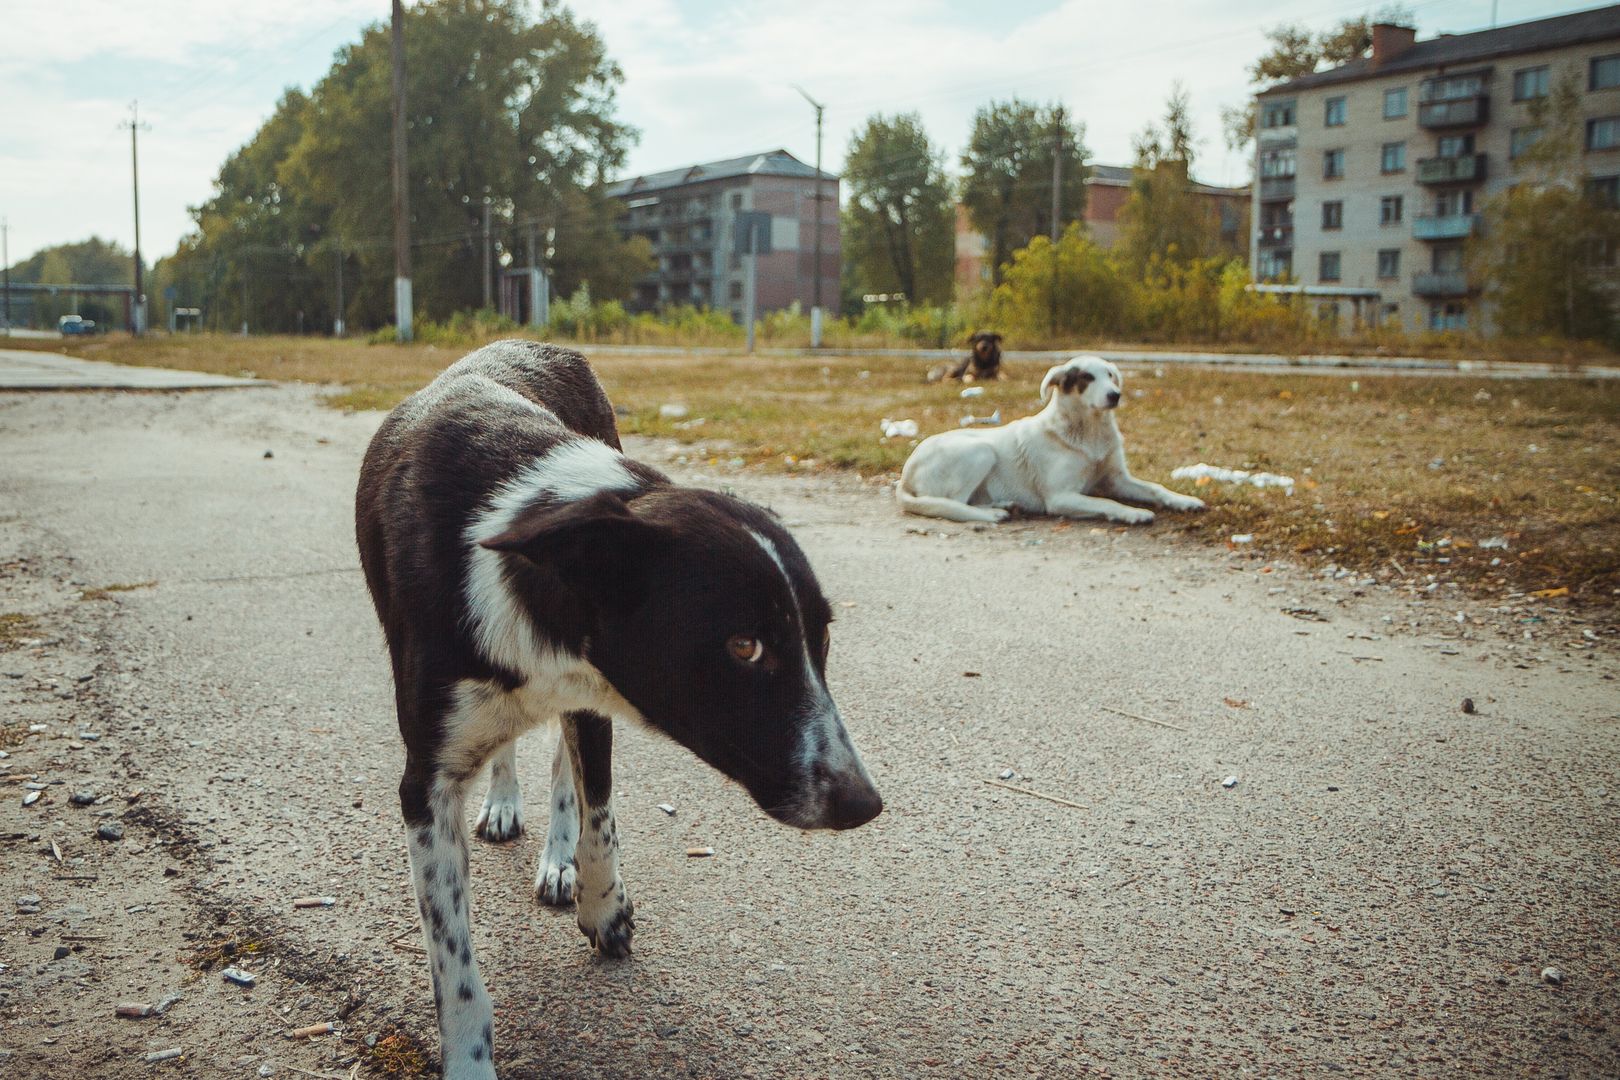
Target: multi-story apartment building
[1372, 175]
[689, 216]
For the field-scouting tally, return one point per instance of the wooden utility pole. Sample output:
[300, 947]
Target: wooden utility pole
[5, 267]
[402, 198]
[489, 262]
[1057, 174]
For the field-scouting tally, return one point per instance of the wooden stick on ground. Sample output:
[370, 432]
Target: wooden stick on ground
[1145, 719]
[1037, 794]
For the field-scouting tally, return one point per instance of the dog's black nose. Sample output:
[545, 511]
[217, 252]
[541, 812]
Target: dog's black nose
[1113, 397]
[852, 803]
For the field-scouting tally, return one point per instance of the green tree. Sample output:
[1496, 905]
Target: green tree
[1007, 175]
[1164, 218]
[899, 235]
[510, 108]
[1068, 289]
[1548, 249]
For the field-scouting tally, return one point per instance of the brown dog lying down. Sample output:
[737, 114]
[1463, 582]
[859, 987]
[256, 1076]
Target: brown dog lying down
[981, 364]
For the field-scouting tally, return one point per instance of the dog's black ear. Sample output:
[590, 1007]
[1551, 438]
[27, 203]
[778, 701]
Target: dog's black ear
[597, 531]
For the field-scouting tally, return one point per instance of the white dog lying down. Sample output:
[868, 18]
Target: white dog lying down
[1049, 463]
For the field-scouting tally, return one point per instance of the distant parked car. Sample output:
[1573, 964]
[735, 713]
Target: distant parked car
[75, 324]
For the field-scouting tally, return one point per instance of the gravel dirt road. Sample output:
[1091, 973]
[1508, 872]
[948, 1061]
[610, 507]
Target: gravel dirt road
[1378, 893]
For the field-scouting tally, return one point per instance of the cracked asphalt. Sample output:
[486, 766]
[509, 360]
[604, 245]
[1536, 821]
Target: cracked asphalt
[1379, 893]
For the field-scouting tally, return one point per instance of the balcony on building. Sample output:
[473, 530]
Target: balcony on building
[1441, 283]
[1276, 187]
[1274, 236]
[1467, 169]
[1454, 113]
[1445, 226]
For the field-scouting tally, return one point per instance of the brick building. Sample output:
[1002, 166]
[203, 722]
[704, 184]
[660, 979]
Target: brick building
[689, 216]
[1372, 175]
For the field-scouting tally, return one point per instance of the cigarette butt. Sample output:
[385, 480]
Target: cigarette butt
[163, 1055]
[313, 1030]
[314, 901]
[699, 852]
[133, 1008]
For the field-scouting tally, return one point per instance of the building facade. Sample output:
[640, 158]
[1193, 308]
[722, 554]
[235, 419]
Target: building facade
[689, 216]
[1371, 177]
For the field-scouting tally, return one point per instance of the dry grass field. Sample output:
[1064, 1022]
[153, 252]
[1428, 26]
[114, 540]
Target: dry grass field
[1396, 476]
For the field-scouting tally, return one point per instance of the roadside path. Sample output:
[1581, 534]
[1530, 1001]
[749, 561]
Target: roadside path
[1377, 894]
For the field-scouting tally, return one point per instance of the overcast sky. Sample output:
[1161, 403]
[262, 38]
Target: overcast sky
[703, 80]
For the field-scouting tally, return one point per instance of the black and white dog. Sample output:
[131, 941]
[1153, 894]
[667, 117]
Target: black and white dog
[525, 570]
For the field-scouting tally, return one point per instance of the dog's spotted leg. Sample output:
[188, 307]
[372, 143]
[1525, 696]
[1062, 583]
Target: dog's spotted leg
[554, 882]
[501, 817]
[605, 912]
[437, 835]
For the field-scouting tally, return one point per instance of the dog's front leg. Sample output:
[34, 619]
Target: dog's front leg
[436, 830]
[1073, 504]
[605, 911]
[1130, 488]
[501, 818]
[554, 881]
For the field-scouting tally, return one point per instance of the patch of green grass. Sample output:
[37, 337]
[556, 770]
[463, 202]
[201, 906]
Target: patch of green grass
[1397, 475]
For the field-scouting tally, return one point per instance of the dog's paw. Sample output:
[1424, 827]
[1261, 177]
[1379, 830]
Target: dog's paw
[1130, 515]
[1184, 503]
[554, 883]
[997, 514]
[500, 819]
[609, 922]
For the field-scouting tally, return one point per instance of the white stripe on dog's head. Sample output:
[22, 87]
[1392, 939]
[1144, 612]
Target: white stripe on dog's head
[568, 472]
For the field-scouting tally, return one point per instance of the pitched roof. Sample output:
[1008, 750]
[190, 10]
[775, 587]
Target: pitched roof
[770, 163]
[1448, 50]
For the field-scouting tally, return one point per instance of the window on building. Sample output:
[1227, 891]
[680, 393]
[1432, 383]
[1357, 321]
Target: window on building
[1332, 164]
[1530, 83]
[1605, 73]
[1389, 263]
[1448, 316]
[1455, 146]
[1603, 133]
[1601, 253]
[735, 290]
[1394, 157]
[1335, 112]
[1333, 215]
[1277, 163]
[1521, 139]
[1276, 114]
[1391, 209]
[1395, 103]
[736, 200]
[1447, 259]
[1450, 203]
[1453, 87]
[1327, 268]
[1604, 190]
[1276, 264]
[1327, 313]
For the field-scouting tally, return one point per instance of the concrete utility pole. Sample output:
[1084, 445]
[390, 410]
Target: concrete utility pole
[815, 308]
[402, 198]
[337, 323]
[137, 317]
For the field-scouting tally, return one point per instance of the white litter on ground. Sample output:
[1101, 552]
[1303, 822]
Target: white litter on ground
[971, 391]
[898, 429]
[1234, 476]
[982, 421]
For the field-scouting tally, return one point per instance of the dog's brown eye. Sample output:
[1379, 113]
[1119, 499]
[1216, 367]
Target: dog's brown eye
[748, 650]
